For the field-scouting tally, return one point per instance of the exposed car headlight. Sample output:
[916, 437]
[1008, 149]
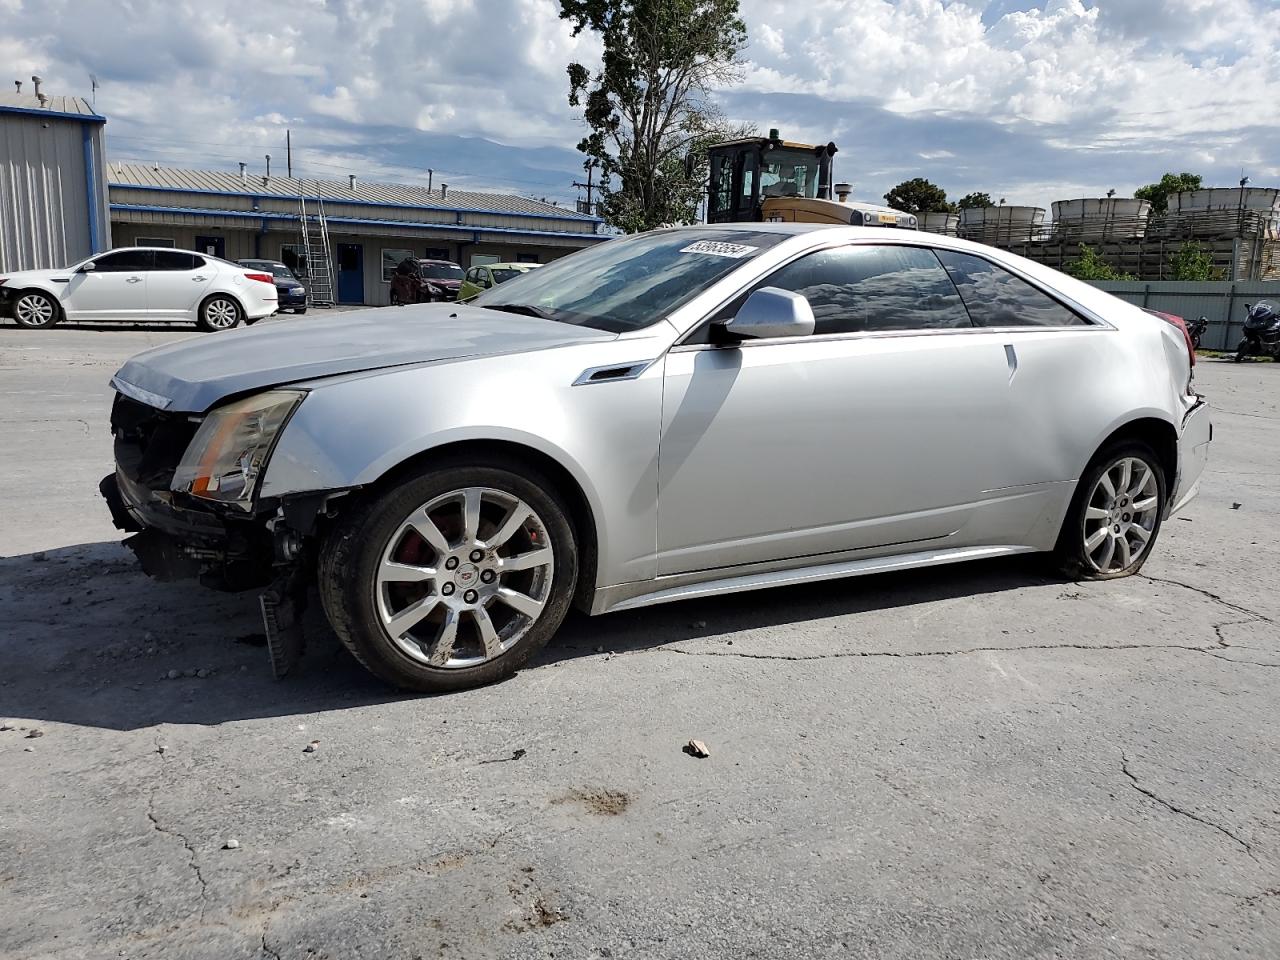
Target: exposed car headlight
[231, 448]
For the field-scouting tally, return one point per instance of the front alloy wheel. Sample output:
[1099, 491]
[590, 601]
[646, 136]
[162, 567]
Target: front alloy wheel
[35, 309]
[465, 577]
[452, 579]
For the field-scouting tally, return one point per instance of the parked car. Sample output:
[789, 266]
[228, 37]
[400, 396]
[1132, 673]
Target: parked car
[425, 281]
[482, 278]
[290, 293]
[675, 414]
[140, 283]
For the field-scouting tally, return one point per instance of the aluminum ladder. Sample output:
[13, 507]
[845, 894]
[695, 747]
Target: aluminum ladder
[317, 255]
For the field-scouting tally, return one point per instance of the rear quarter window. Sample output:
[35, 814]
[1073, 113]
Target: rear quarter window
[994, 297]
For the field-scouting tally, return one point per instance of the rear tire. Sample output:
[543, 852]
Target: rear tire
[1112, 523]
[36, 310]
[430, 593]
[219, 312]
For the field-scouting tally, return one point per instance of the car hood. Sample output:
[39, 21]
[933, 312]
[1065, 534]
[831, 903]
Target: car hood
[195, 374]
[19, 278]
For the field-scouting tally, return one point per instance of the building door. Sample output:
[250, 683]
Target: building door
[351, 273]
[213, 246]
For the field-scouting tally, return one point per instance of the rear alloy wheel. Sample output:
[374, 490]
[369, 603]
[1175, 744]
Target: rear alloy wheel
[35, 309]
[1115, 515]
[218, 313]
[452, 579]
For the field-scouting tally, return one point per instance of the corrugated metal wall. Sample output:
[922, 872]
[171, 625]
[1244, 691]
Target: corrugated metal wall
[1224, 303]
[44, 210]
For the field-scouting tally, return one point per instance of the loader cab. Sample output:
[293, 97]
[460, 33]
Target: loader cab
[745, 173]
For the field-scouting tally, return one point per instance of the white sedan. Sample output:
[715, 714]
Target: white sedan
[140, 283]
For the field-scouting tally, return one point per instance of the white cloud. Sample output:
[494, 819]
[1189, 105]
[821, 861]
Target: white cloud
[377, 85]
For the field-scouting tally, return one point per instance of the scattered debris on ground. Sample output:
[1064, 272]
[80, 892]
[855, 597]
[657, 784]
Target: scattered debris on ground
[696, 748]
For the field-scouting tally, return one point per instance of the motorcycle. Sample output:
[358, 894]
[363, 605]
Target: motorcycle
[1196, 329]
[1261, 332]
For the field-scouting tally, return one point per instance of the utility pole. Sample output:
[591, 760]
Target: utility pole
[288, 152]
[590, 167]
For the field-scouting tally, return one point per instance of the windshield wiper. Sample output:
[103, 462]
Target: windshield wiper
[527, 309]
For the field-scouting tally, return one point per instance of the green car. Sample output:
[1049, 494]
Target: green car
[480, 279]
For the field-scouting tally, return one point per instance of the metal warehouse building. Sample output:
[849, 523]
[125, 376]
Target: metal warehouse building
[53, 198]
[371, 226]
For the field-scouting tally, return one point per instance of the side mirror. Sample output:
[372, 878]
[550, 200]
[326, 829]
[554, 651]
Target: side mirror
[88, 267]
[770, 312]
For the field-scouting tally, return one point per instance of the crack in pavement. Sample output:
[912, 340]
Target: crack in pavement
[1210, 595]
[1173, 808]
[186, 844]
[266, 949]
[905, 654]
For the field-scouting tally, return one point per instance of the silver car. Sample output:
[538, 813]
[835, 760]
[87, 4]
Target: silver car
[677, 414]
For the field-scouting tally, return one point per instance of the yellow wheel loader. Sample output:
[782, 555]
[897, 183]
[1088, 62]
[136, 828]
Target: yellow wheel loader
[771, 179]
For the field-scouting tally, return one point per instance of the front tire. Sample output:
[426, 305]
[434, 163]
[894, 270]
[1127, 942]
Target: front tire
[219, 312]
[1242, 350]
[1115, 514]
[35, 310]
[452, 578]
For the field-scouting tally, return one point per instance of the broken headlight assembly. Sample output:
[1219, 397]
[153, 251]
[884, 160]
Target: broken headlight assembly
[230, 450]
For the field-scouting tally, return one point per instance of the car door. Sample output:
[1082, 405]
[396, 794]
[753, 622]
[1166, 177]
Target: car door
[877, 430]
[1052, 420]
[115, 289]
[176, 283]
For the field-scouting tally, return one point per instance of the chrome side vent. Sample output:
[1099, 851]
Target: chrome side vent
[613, 372]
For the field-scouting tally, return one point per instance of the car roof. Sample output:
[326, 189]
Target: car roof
[510, 266]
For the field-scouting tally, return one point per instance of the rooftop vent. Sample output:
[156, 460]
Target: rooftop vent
[444, 189]
[351, 181]
[18, 84]
[37, 81]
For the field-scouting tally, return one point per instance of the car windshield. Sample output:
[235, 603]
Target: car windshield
[630, 283]
[441, 271]
[506, 273]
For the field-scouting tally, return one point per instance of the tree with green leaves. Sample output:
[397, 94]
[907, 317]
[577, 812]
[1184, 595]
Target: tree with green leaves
[1091, 266]
[1158, 193]
[972, 201]
[1191, 262]
[918, 195]
[648, 105]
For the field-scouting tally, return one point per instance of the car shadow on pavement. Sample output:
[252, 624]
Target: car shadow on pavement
[86, 638]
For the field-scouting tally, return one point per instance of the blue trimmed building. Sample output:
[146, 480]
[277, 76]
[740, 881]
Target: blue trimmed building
[53, 194]
[372, 226]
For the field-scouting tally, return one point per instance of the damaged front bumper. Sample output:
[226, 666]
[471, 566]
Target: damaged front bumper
[174, 542]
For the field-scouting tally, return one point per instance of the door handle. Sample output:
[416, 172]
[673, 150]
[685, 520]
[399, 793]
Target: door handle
[200, 279]
[132, 279]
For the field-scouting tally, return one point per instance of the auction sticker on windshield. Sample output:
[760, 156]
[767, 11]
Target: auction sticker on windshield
[717, 248]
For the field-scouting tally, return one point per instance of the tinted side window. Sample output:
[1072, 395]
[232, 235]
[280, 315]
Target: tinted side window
[175, 260]
[126, 261]
[860, 288]
[996, 298]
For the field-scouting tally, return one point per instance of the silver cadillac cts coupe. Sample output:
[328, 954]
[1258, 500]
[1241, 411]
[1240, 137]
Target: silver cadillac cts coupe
[680, 413]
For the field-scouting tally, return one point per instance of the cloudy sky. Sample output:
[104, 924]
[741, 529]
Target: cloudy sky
[1031, 101]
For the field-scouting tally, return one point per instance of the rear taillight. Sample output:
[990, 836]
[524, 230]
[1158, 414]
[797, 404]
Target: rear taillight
[261, 278]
